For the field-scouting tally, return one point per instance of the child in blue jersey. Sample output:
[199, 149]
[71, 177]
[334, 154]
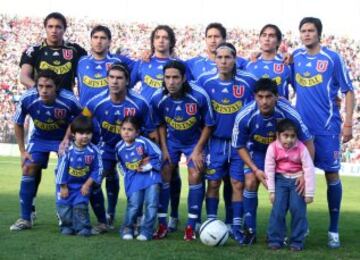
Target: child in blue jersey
[77, 170]
[184, 116]
[140, 161]
[319, 75]
[52, 110]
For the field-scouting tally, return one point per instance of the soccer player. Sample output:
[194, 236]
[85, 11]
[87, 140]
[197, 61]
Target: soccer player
[150, 73]
[52, 110]
[254, 130]
[184, 117]
[53, 53]
[270, 64]
[319, 74]
[77, 170]
[215, 33]
[109, 108]
[92, 69]
[229, 90]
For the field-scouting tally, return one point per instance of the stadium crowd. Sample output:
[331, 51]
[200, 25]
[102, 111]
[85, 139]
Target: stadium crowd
[17, 33]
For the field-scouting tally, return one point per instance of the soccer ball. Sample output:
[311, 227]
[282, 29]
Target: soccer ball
[214, 232]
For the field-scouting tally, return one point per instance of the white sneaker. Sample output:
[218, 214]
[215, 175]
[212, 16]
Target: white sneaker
[127, 237]
[33, 217]
[142, 237]
[20, 224]
[334, 241]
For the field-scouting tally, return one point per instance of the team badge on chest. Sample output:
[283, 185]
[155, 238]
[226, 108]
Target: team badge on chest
[89, 159]
[191, 108]
[321, 65]
[278, 68]
[238, 91]
[129, 111]
[59, 113]
[140, 150]
[67, 54]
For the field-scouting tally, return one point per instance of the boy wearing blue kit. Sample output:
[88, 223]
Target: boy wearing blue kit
[77, 170]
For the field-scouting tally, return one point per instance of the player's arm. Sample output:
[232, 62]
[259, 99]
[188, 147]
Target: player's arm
[26, 74]
[349, 110]
[197, 154]
[20, 139]
[163, 142]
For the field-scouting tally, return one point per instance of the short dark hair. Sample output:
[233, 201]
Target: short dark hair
[181, 67]
[266, 84]
[171, 36]
[284, 125]
[217, 26]
[57, 16]
[277, 32]
[120, 67]
[101, 28]
[134, 121]
[49, 74]
[82, 124]
[315, 21]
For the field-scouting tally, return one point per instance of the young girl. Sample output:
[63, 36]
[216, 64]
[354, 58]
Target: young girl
[77, 170]
[286, 160]
[140, 160]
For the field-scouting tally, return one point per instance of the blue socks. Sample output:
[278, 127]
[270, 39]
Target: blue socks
[212, 207]
[334, 195]
[112, 192]
[238, 212]
[27, 193]
[97, 203]
[250, 208]
[194, 203]
[163, 203]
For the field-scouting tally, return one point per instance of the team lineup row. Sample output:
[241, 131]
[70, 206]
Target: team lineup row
[192, 110]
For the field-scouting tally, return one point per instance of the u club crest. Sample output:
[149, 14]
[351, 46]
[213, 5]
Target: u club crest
[89, 159]
[238, 91]
[59, 113]
[129, 111]
[67, 54]
[321, 65]
[278, 68]
[191, 108]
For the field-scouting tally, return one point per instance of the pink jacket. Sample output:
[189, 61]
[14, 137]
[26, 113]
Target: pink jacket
[290, 162]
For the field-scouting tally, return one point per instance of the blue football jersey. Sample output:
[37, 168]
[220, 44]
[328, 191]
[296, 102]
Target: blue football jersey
[130, 157]
[91, 74]
[227, 98]
[110, 115]
[201, 65]
[255, 131]
[274, 69]
[50, 121]
[184, 117]
[318, 79]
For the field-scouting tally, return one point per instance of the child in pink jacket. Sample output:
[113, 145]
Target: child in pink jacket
[286, 160]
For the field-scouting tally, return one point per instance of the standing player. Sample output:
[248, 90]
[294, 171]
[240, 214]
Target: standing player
[53, 53]
[254, 130]
[320, 74]
[229, 90]
[52, 110]
[270, 64]
[109, 109]
[184, 116]
[92, 69]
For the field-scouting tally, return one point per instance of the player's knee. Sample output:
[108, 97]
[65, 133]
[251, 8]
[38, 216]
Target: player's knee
[30, 170]
[251, 182]
[330, 177]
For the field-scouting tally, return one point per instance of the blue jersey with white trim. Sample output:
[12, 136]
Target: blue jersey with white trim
[150, 74]
[184, 117]
[227, 98]
[274, 69]
[318, 79]
[255, 131]
[202, 65]
[110, 115]
[50, 120]
[91, 74]
[130, 158]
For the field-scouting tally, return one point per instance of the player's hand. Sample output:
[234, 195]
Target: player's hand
[288, 58]
[64, 145]
[64, 192]
[166, 156]
[261, 176]
[197, 158]
[85, 189]
[143, 162]
[347, 133]
[145, 55]
[25, 156]
[254, 56]
[272, 197]
[300, 185]
[309, 200]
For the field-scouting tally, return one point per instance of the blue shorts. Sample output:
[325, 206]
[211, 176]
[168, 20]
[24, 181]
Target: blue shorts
[327, 152]
[222, 159]
[108, 157]
[176, 149]
[259, 160]
[40, 150]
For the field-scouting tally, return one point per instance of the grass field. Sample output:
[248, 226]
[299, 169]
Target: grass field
[45, 242]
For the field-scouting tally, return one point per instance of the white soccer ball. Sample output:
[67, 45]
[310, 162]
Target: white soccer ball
[214, 232]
